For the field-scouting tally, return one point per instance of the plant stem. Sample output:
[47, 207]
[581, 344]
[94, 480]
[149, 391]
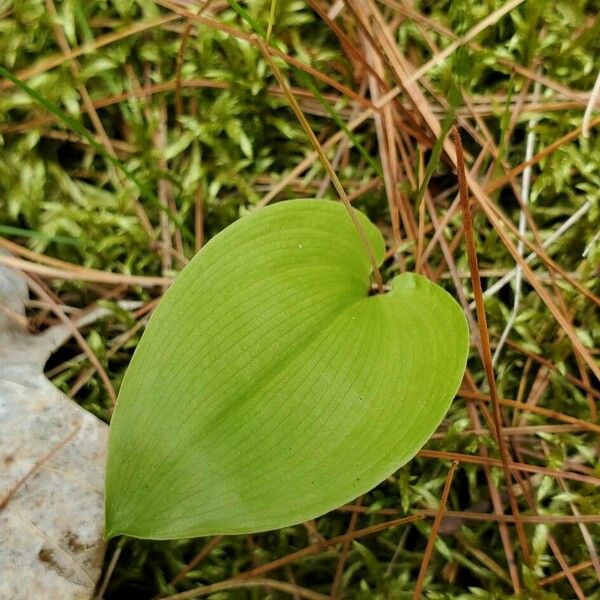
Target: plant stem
[324, 160]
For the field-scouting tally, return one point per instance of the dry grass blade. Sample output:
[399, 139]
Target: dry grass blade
[589, 109]
[339, 571]
[439, 515]
[180, 95]
[39, 290]
[206, 550]
[256, 572]
[274, 584]
[485, 343]
[514, 466]
[558, 576]
[71, 272]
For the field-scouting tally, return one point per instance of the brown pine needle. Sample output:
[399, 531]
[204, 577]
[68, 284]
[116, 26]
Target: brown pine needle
[561, 574]
[339, 571]
[514, 466]
[58, 311]
[68, 271]
[434, 530]
[485, 340]
[252, 574]
[282, 586]
[206, 550]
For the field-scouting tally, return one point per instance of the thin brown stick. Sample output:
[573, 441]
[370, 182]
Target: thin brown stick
[485, 341]
[164, 193]
[56, 308]
[558, 576]
[116, 345]
[439, 515]
[495, 495]
[484, 559]
[282, 586]
[550, 365]
[206, 550]
[565, 567]
[339, 571]
[109, 571]
[320, 546]
[497, 502]
[532, 408]
[518, 431]
[198, 219]
[260, 570]
[548, 519]
[180, 56]
[466, 515]
[515, 466]
[75, 272]
[363, 189]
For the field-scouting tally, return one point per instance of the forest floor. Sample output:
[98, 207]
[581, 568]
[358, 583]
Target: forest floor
[154, 124]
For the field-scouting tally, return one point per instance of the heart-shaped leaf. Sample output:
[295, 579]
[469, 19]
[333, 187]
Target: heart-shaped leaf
[271, 387]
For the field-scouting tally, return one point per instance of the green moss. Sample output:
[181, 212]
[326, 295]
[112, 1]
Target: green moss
[235, 139]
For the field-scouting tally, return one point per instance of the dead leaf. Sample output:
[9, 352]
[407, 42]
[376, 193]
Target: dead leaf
[52, 455]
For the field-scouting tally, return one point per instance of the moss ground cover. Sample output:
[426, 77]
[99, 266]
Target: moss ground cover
[192, 130]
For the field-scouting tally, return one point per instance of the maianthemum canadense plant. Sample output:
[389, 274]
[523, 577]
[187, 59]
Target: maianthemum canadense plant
[271, 386]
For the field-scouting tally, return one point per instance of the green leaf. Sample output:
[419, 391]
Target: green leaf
[270, 386]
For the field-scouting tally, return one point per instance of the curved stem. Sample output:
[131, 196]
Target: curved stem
[324, 160]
